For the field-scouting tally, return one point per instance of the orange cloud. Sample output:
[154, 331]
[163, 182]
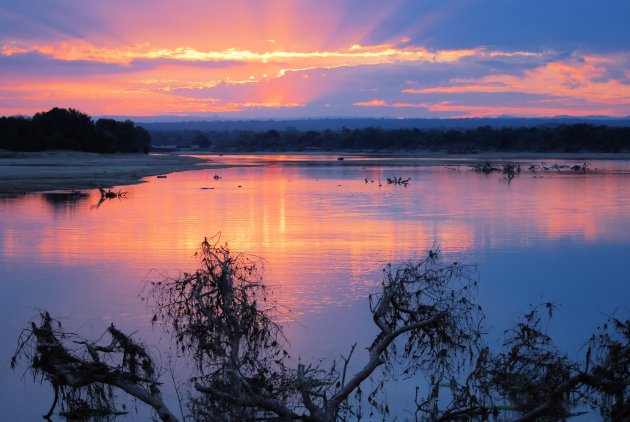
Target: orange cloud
[372, 103]
[354, 55]
[533, 110]
[583, 80]
[163, 80]
[156, 77]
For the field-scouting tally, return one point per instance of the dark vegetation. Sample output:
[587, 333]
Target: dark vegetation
[561, 138]
[428, 327]
[70, 129]
[511, 170]
[175, 123]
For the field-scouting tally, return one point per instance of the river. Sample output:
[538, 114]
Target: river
[325, 228]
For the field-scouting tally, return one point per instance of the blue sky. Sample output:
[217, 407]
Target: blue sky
[306, 58]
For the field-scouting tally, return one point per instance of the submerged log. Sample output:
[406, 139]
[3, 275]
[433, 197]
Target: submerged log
[398, 181]
[109, 194]
[485, 168]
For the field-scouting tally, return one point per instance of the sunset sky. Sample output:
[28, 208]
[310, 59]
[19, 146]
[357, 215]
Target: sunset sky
[316, 58]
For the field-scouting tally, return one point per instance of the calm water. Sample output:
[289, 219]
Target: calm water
[324, 234]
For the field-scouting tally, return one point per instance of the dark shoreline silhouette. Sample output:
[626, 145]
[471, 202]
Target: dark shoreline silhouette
[69, 129]
[573, 138]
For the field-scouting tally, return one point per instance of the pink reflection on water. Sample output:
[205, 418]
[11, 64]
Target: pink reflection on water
[324, 233]
[323, 230]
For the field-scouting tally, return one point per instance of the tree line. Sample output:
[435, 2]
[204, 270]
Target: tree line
[70, 129]
[547, 138]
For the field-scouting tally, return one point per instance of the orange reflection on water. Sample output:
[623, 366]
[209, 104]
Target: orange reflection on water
[323, 232]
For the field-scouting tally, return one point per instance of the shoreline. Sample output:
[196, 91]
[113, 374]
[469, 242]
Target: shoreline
[28, 172]
[416, 158]
[479, 156]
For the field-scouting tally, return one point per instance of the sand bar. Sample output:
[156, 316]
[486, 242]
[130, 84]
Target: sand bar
[22, 172]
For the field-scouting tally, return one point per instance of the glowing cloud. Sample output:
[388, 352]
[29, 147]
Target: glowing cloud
[372, 103]
[579, 86]
[339, 57]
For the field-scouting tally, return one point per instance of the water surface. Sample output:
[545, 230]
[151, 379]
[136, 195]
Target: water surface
[324, 228]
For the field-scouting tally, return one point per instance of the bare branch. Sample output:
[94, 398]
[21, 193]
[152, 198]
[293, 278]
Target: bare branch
[77, 378]
[428, 323]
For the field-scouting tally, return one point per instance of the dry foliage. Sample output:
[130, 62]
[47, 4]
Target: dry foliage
[428, 328]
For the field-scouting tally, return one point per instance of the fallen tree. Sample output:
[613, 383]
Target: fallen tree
[428, 327]
[83, 378]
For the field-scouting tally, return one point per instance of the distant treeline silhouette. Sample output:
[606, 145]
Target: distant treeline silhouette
[70, 129]
[556, 138]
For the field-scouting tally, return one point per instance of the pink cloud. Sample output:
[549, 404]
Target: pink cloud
[371, 103]
[584, 79]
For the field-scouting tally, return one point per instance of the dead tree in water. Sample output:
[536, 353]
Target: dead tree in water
[398, 181]
[532, 380]
[584, 168]
[485, 168]
[428, 326]
[220, 316]
[510, 171]
[83, 374]
[109, 194]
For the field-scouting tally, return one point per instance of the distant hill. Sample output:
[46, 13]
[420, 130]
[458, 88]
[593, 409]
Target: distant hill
[361, 123]
[551, 136]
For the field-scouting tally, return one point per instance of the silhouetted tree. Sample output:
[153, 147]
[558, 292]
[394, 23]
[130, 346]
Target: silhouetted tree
[70, 129]
[561, 138]
[427, 324]
[83, 378]
[202, 140]
[122, 136]
[533, 380]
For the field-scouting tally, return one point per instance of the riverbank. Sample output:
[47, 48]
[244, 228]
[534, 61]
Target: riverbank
[22, 172]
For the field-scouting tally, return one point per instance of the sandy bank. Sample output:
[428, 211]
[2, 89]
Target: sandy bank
[42, 171]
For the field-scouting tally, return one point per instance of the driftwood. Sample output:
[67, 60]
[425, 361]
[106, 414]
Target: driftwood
[583, 168]
[485, 168]
[512, 170]
[109, 194]
[398, 181]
